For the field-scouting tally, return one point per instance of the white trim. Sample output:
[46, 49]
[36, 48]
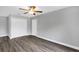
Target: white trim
[71, 46]
[3, 35]
[11, 37]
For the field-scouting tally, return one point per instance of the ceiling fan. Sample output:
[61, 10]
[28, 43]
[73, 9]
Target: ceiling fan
[31, 9]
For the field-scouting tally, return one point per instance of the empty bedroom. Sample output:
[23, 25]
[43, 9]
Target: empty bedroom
[39, 28]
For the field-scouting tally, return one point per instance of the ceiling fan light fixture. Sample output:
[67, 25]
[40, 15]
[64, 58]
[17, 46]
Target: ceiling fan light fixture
[32, 10]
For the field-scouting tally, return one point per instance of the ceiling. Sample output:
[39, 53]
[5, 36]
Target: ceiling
[14, 10]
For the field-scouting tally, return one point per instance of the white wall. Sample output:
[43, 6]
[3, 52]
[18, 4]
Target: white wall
[60, 26]
[29, 26]
[3, 26]
[17, 26]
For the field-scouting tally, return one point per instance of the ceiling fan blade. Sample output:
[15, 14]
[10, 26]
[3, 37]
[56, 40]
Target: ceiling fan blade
[39, 11]
[32, 7]
[23, 9]
[25, 12]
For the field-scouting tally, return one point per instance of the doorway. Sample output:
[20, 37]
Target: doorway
[34, 26]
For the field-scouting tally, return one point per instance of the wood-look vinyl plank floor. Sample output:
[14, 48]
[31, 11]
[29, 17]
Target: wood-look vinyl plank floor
[31, 44]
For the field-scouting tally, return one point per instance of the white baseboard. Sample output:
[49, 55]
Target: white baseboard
[11, 37]
[71, 46]
[3, 35]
